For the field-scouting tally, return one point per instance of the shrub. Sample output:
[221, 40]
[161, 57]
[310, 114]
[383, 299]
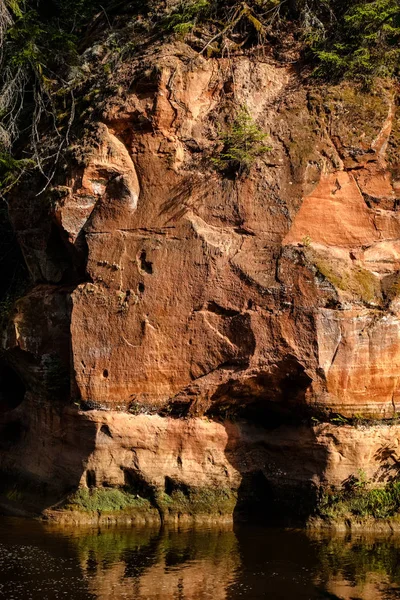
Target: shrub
[185, 16]
[11, 170]
[40, 40]
[356, 498]
[242, 143]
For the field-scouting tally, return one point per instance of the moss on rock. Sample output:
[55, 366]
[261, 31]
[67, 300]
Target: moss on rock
[197, 501]
[355, 281]
[180, 501]
[106, 500]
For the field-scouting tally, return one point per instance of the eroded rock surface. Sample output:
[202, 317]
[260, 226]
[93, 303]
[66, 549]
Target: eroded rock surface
[162, 286]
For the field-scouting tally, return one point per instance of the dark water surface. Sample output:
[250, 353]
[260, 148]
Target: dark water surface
[43, 563]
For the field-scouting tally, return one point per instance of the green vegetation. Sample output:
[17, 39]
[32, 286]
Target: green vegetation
[186, 16]
[106, 500]
[44, 88]
[197, 501]
[362, 41]
[358, 499]
[353, 39]
[243, 142]
[11, 170]
[181, 500]
[359, 283]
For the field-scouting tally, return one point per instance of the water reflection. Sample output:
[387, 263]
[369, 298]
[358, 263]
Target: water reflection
[186, 565]
[46, 563]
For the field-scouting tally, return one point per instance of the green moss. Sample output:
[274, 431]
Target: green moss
[106, 500]
[326, 270]
[182, 500]
[356, 281]
[366, 285]
[393, 151]
[197, 501]
[391, 286]
[354, 114]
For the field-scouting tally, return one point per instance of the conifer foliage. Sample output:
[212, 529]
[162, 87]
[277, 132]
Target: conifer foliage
[42, 43]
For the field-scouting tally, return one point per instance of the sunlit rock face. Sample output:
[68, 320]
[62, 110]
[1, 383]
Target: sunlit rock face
[162, 285]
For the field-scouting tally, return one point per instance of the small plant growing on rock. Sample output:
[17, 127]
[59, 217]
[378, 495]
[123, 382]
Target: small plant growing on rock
[243, 142]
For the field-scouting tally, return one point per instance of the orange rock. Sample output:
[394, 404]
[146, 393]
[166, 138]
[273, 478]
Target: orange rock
[334, 214]
[162, 286]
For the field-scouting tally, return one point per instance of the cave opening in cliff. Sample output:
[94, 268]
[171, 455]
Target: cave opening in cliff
[12, 388]
[270, 398]
[135, 483]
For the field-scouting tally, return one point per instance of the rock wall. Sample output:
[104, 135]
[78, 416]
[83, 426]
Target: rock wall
[168, 296]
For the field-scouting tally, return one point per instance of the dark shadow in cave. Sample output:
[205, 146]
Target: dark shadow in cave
[14, 274]
[273, 445]
[12, 388]
[64, 259]
[44, 443]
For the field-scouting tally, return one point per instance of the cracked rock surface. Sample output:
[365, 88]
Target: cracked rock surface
[163, 287]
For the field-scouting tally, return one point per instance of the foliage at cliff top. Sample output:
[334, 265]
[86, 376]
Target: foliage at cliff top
[43, 43]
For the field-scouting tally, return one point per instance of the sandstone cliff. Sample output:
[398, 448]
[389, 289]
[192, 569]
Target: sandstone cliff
[189, 334]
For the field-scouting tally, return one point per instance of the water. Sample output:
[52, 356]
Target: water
[39, 562]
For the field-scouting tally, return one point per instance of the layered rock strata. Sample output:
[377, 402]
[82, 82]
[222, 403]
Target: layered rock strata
[168, 296]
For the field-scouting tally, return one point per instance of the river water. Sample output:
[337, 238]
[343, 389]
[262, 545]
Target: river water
[42, 563]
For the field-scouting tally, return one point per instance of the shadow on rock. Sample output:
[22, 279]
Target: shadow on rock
[43, 451]
[280, 471]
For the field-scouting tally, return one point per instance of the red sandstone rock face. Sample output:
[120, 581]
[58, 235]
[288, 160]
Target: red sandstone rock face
[191, 287]
[171, 288]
